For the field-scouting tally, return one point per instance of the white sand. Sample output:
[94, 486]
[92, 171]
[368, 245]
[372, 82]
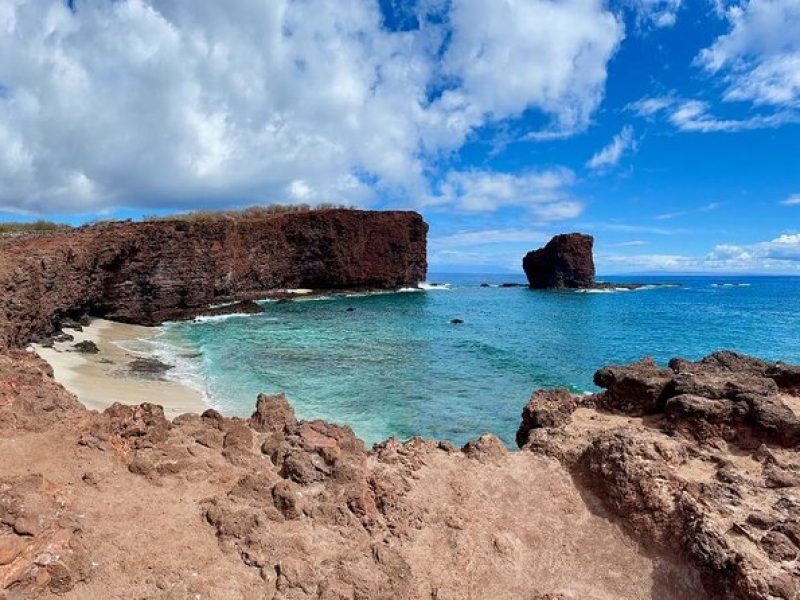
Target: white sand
[99, 380]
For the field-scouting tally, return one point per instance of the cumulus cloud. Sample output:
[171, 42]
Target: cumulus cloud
[779, 255]
[611, 154]
[777, 252]
[163, 103]
[546, 194]
[760, 55]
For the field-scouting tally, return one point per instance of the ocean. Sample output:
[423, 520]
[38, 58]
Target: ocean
[393, 364]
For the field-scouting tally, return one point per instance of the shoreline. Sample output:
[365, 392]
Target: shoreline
[98, 380]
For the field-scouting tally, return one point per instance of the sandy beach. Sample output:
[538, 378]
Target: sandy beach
[99, 380]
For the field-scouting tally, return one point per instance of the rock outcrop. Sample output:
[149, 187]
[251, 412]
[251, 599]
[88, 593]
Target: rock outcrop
[565, 262]
[125, 503]
[150, 272]
[700, 458]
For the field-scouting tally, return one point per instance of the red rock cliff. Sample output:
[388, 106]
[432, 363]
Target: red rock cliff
[150, 272]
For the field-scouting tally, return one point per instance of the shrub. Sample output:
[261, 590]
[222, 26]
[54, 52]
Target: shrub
[251, 212]
[32, 227]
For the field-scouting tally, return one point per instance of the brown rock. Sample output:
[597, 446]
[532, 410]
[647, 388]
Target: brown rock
[486, 448]
[61, 579]
[273, 413]
[762, 520]
[26, 526]
[723, 360]
[150, 272]
[722, 385]
[778, 546]
[546, 408]
[774, 419]
[791, 530]
[87, 347]
[637, 389]
[140, 426]
[565, 262]
[11, 546]
[786, 376]
[287, 500]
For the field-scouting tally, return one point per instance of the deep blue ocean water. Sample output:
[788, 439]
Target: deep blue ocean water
[396, 366]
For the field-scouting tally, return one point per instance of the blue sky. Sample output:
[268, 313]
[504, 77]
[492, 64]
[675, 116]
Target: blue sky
[668, 129]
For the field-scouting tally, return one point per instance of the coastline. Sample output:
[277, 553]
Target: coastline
[98, 380]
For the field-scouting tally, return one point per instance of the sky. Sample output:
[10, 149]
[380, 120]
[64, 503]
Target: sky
[668, 129]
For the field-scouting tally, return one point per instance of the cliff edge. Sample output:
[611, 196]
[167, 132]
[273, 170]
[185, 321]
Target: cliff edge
[149, 272]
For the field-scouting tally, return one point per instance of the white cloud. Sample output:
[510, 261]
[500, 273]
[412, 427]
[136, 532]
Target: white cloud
[647, 107]
[660, 13]
[760, 55]
[157, 102]
[711, 206]
[782, 251]
[486, 248]
[546, 194]
[696, 115]
[631, 228]
[470, 239]
[611, 154]
[793, 200]
[506, 54]
[780, 255]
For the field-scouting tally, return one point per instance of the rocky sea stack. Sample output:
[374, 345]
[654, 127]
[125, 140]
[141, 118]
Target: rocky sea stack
[566, 262]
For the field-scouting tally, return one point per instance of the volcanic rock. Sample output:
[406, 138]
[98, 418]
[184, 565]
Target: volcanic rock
[565, 262]
[246, 307]
[150, 272]
[638, 388]
[87, 347]
[546, 408]
[273, 413]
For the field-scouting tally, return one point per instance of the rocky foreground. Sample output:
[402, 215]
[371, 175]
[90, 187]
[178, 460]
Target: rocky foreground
[673, 482]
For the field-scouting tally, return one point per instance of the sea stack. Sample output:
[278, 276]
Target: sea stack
[566, 262]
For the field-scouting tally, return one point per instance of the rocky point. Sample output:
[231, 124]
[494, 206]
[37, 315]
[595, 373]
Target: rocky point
[565, 262]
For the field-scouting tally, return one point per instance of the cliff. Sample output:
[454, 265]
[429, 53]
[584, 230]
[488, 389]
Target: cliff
[565, 262]
[149, 272]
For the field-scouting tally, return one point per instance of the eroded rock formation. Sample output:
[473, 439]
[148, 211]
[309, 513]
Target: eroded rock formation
[565, 262]
[700, 458]
[127, 503]
[149, 272]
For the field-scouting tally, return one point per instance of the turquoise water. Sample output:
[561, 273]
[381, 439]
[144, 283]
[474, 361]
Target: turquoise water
[396, 366]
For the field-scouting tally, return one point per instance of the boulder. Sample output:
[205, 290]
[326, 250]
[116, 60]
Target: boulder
[639, 388]
[485, 449]
[546, 408]
[273, 413]
[87, 347]
[565, 262]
